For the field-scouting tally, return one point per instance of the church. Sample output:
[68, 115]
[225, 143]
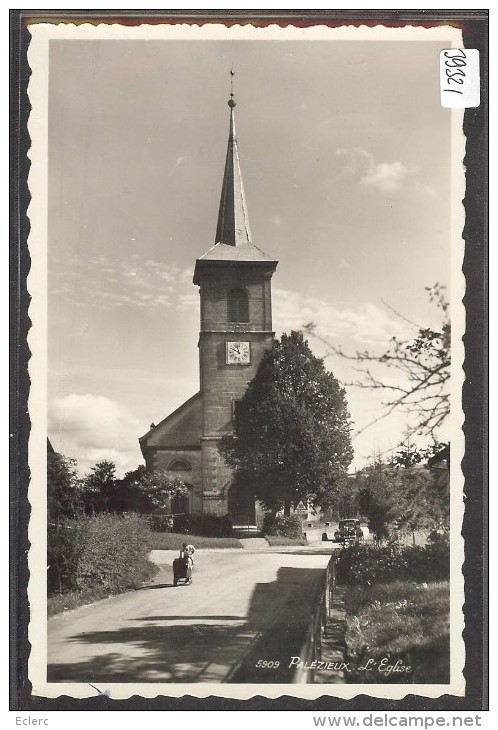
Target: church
[234, 280]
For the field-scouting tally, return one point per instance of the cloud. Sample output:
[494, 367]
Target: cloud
[99, 282]
[92, 427]
[426, 190]
[188, 302]
[65, 289]
[355, 160]
[386, 176]
[361, 164]
[367, 325]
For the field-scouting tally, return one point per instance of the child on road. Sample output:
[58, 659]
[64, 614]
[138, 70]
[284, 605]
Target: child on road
[187, 552]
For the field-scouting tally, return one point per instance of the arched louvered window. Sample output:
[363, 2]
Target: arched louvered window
[238, 306]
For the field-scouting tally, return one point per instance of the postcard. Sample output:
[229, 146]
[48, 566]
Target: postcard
[246, 364]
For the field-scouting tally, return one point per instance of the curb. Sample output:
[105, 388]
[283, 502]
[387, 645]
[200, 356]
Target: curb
[333, 641]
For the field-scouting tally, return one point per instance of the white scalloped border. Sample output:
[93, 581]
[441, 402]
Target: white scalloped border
[42, 33]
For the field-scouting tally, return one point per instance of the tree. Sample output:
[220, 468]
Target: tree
[64, 498]
[100, 485]
[64, 504]
[377, 498]
[409, 454]
[422, 369]
[102, 476]
[291, 440]
[157, 487]
[406, 497]
[423, 502]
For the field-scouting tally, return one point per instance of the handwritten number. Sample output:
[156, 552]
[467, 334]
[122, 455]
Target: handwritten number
[455, 54]
[453, 77]
[455, 63]
[455, 60]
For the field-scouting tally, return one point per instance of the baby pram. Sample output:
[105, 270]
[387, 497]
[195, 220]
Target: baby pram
[182, 570]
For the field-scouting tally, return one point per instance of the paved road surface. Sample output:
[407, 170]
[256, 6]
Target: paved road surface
[242, 606]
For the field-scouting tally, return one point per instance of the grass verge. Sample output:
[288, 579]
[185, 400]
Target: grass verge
[174, 541]
[59, 602]
[278, 541]
[403, 621]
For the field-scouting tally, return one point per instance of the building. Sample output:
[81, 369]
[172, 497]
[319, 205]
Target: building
[234, 278]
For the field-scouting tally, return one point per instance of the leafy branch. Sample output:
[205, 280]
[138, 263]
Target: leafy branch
[423, 367]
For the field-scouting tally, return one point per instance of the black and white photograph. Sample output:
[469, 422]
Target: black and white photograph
[246, 367]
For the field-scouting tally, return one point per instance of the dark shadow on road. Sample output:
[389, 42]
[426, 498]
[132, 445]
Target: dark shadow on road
[190, 618]
[274, 630]
[150, 654]
[292, 594]
[158, 585]
[309, 551]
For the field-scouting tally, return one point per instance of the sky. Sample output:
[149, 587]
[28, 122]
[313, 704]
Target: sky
[345, 156]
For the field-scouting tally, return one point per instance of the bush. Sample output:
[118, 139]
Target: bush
[174, 541]
[105, 552]
[203, 525]
[438, 556]
[160, 523]
[369, 564]
[115, 553]
[281, 526]
[366, 564]
[65, 543]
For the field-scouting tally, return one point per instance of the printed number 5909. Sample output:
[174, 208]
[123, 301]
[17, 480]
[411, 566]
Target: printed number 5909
[263, 664]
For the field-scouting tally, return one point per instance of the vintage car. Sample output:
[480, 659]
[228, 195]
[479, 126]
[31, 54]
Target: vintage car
[349, 531]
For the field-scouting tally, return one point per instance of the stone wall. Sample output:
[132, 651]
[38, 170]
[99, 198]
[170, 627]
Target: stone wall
[163, 460]
[214, 295]
[221, 384]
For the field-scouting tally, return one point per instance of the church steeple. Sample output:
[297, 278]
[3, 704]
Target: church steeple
[234, 279]
[233, 222]
[233, 244]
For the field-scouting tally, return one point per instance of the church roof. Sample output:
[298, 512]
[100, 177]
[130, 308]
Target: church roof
[182, 428]
[246, 252]
[233, 240]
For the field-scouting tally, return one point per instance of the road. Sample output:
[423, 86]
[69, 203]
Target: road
[242, 606]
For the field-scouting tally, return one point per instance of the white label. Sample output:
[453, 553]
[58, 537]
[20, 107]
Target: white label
[459, 75]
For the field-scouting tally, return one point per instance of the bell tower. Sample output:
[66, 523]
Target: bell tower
[234, 277]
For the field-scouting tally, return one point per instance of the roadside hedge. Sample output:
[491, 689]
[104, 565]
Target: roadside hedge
[369, 564]
[281, 526]
[204, 525]
[65, 543]
[106, 551]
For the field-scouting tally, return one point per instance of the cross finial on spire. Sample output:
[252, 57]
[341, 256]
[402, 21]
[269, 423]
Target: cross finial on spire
[231, 102]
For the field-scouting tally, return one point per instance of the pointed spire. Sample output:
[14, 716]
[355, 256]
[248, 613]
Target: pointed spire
[233, 221]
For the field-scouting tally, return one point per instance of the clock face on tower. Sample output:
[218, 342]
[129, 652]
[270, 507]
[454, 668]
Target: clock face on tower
[238, 353]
